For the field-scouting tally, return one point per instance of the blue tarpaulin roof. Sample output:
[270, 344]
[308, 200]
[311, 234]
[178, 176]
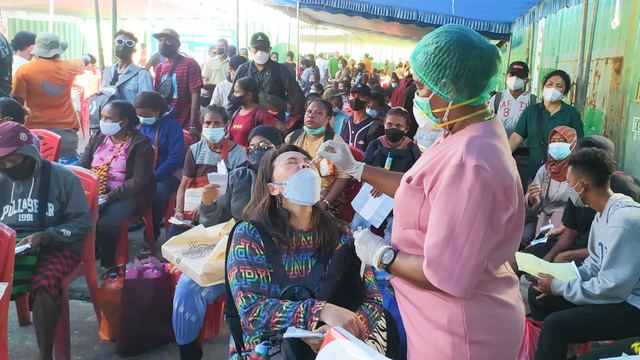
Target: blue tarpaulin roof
[494, 18]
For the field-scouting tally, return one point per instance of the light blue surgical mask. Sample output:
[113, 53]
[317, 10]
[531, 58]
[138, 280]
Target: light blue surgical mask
[336, 110]
[372, 113]
[559, 150]
[147, 120]
[302, 188]
[213, 135]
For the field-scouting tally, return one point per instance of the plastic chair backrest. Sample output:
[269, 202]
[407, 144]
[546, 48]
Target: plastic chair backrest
[7, 246]
[49, 144]
[188, 141]
[91, 186]
[357, 153]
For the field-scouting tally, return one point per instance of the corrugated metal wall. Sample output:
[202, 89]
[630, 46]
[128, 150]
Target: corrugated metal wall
[614, 72]
[70, 32]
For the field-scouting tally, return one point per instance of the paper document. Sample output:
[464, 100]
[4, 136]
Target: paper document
[296, 333]
[375, 210]
[624, 356]
[534, 266]
[220, 178]
[102, 201]
[22, 248]
[539, 241]
[192, 199]
[3, 288]
[175, 221]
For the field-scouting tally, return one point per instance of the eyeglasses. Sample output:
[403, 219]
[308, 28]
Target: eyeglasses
[262, 145]
[129, 43]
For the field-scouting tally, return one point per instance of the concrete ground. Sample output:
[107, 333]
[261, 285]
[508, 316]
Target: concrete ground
[85, 341]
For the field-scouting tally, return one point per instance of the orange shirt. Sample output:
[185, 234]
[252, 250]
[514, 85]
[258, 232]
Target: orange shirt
[45, 85]
[367, 65]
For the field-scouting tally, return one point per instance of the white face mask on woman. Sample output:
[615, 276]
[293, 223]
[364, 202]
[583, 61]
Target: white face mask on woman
[552, 94]
[302, 188]
[109, 128]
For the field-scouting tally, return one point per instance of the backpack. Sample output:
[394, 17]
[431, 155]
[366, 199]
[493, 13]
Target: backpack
[107, 94]
[282, 349]
[402, 156]
[166, 87]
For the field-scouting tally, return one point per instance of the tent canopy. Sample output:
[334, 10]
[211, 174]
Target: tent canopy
[495, 19]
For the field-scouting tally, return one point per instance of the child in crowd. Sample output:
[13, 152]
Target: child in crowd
[393, 151]
[604, 302]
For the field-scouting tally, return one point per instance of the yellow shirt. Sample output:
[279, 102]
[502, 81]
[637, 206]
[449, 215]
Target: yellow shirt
[216, 70]
[45, 85]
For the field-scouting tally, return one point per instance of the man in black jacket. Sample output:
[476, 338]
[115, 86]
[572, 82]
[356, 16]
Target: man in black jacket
[274, 79]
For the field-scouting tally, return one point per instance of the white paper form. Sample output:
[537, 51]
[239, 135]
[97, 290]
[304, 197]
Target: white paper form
[221, 177]
[375, 210]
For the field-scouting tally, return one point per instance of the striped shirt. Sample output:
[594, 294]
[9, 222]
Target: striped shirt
[186, 77]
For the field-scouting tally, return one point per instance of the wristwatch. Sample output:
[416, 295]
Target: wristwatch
[388, 257]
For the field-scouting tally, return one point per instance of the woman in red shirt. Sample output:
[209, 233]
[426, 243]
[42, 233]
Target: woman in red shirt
[246, 95]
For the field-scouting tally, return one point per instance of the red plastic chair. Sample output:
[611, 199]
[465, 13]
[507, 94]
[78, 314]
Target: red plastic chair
[212, 319]
[122, 246]
[352, 190]
[7, 247]
[49, 144]
[171, 202]
[86, 268]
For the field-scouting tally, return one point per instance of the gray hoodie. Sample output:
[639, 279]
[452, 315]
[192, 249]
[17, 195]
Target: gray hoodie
[611, 273]
[68, 217]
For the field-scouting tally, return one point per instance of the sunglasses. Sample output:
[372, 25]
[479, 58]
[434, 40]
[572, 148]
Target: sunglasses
[128, 43]
[262, 145]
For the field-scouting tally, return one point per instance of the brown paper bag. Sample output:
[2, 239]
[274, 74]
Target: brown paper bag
[199, 253]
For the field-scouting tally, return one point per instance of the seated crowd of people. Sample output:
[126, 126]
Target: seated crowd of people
[290, 148]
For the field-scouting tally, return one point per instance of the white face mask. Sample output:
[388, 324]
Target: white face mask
[302, 188]
[261, 57]
[339, 66]
[515, 83]
[423, 120]
[552, 94]
[109, 128]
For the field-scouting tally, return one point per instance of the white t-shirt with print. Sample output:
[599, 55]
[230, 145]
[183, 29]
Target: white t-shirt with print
[510, 109]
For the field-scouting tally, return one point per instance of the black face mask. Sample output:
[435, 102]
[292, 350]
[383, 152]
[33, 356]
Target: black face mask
[236, 100]
[394, 135]
[205, 101]
[221, 51]
[22, 171]
[124, 52]
[357, 104]
[168, 50]
[256, 157]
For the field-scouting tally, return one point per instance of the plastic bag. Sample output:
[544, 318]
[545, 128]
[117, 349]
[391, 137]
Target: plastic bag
[530, 342]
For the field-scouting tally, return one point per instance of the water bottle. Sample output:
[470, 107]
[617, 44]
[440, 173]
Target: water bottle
[260, 352]
[387, 163]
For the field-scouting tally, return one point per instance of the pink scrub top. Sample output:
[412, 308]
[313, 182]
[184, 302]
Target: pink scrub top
[463, 210]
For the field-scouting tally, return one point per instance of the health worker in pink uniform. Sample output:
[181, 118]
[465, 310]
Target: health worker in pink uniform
[458, 213]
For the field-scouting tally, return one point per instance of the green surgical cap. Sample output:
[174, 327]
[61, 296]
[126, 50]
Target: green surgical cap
[457, 64]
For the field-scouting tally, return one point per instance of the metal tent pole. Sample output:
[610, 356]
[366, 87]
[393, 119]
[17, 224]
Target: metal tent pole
[581, 52]
[238, 25]
[51, 7]
[96, 8]
[298, 41]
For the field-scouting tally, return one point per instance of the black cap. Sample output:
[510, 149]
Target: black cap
[519, 67]
[260, 39]
[361, 89]
[22, 40]
[236, 61]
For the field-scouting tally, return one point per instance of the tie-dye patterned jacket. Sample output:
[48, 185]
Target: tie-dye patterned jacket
[256, 296]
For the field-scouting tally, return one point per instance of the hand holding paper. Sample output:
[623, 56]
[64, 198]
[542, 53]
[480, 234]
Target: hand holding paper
[534, 266]
[220, 178]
